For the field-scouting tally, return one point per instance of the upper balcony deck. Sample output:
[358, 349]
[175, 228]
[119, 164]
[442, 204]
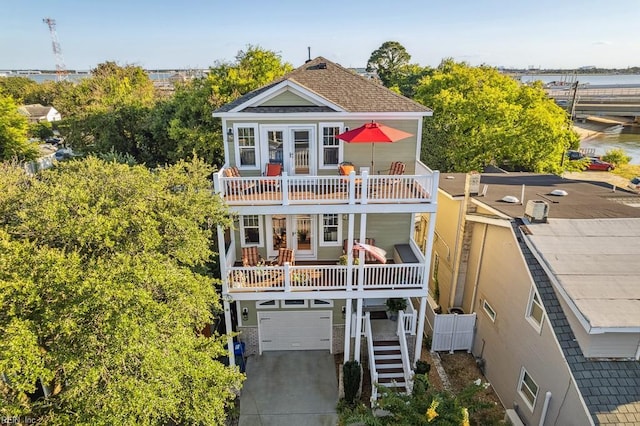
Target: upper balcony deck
[327, 190]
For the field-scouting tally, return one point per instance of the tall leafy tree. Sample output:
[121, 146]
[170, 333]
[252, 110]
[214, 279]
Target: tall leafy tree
[13, 133]
[387, 61]
[482, 117]
[103, 282]
[17, 87]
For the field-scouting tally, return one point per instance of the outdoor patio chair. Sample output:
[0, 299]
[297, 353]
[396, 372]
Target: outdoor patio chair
[345, 168]
[285, 255]
[396, 168]
[368, 257]
[272, 170]
[238, 186]
[250, 256]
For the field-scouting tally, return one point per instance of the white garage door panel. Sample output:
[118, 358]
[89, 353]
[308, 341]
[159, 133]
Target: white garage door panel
[295, 330]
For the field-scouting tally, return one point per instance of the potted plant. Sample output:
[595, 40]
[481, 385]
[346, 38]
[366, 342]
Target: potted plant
[302, 235]
[342, 260]
[394, 305]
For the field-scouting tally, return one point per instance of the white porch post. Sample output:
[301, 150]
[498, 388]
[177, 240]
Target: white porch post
[229, 326]
[420, 331]
[347, 330]
[358, 336]
[222, 257]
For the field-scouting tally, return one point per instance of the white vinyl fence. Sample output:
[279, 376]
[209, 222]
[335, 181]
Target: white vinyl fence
[450, 332]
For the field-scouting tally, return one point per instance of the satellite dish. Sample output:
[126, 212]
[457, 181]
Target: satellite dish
[510, 199]
[559, 192]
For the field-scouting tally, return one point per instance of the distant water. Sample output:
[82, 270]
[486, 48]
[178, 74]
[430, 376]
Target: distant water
[628, 140]
[39, 78]
[584, 78]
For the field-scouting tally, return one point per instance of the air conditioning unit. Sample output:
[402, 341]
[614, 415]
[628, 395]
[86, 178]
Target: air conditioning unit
[537, 211]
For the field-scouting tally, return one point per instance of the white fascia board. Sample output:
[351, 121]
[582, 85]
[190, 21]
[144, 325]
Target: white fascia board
[261, 209]
[282, 87]
[342, 115]
[328, 295]
[504, 223]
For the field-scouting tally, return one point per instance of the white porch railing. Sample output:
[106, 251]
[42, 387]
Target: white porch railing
[410, 318]
[352, 189]
[404, 353]
[372, 359]
[324, 277]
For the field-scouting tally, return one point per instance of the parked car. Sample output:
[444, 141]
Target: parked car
[53, 141]
[597, 164]
[575, 155]
[635, 183]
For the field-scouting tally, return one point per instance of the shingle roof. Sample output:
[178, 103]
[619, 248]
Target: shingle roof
[610, 389]
[586, 200]
[341, 87]
[35, 110]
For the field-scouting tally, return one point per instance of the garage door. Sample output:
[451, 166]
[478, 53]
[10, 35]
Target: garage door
[294, 330]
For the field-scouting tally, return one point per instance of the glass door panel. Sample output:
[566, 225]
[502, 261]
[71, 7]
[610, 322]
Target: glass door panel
[305, 235]
[279, 234]
[301, 151]
[275, 140]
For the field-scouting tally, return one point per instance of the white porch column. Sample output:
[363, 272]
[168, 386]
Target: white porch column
[358, 336]
[227, 321]
[420, 330]
[347, 330]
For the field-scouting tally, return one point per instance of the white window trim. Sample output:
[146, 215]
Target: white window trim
[488, 309]
[321, 240]
[328, 304]
[521, 382]
[321, 127]
[283, 304]
[259, 304]
[534, 323]
[260, 242]
[236, 146]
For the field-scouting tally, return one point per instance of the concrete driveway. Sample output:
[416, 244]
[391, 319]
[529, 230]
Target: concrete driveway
[290, 388]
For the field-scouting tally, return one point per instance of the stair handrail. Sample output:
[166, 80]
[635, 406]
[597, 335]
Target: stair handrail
[372, 360]
[404, 353]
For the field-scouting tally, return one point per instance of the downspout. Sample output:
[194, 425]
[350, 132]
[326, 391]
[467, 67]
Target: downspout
[545, 407]
[479, 268]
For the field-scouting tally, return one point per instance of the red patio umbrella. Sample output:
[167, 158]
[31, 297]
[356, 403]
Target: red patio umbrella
[373, 133]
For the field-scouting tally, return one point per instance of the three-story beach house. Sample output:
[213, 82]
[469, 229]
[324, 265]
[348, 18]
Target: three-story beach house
[304, 198]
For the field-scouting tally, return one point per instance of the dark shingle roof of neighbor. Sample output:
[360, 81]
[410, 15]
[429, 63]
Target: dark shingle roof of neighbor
[585, 199]
[339, 86]
[611, 389]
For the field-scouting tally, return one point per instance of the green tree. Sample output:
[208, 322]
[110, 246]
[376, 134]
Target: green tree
[17, 87]
[387, 61]
[482, 117]
[103, 282]
[13, 133]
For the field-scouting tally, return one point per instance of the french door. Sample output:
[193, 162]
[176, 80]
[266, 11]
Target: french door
[292, 146]
[294, 231]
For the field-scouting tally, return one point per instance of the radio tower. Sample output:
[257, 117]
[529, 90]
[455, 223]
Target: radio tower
[61, 69]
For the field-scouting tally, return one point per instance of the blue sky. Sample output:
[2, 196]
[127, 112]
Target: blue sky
[196, 33]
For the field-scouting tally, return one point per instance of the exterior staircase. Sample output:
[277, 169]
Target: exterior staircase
[388, 361]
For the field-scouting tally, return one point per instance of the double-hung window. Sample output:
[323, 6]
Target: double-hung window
[528, 389]
[330, 155]
[247, 145]
[535, 312]
[331, 234]
[250, 231]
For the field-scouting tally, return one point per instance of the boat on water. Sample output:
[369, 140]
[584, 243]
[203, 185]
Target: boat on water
[613, 130]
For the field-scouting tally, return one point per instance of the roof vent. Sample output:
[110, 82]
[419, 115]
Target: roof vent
[322, 66]
[559, 193]
[537, 211]
[510, 199]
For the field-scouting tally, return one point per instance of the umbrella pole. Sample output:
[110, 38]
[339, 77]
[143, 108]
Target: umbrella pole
[373, 146]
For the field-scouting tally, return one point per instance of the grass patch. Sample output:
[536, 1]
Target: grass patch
[627, 171]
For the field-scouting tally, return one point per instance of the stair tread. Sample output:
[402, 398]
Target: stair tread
[389, 361]
[390, 380]
[387, 352]
[391, 370]
[386, 342]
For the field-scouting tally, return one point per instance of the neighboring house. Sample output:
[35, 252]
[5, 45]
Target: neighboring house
[36, 113]
[314, 303]
[556, 287]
